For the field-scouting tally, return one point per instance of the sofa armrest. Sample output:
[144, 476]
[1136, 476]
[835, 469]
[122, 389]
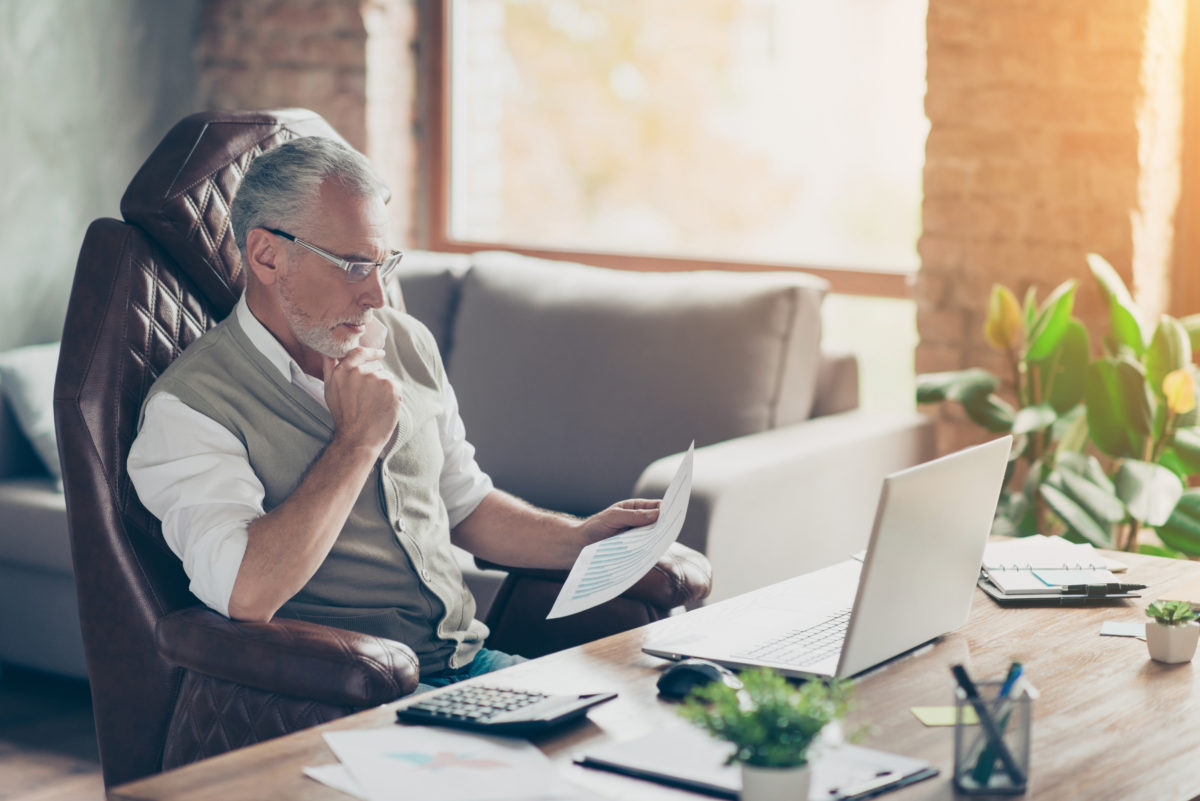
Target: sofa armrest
[837, 384]
[518, 622]
[770, 506]
[290, 657]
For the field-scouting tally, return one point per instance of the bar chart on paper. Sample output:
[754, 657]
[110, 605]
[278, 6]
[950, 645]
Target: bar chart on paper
[607, 568]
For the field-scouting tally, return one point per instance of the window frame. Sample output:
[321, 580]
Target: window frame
[435, 60]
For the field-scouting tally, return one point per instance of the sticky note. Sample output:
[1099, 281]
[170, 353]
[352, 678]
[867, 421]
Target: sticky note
[942, 715]
[1111, 628]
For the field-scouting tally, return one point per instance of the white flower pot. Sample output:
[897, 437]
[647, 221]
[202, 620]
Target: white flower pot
[775, 784]
[1172, 644]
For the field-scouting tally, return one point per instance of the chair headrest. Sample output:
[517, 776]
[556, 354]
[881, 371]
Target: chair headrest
[181, 195]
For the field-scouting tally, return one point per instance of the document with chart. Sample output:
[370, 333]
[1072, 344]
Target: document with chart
[607, 568]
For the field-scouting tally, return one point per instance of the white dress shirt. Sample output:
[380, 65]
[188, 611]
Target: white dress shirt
[194, 475]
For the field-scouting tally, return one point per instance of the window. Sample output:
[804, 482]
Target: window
[674, 134]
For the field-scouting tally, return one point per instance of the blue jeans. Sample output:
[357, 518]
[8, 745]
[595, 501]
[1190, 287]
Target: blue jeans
[486, 661]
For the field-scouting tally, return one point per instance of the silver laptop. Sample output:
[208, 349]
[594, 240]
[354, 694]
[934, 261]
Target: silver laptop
[915, 583]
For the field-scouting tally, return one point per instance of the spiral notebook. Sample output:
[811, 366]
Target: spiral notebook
[1038, 564]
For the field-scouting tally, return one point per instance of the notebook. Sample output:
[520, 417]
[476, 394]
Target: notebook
[915, 583]
[1040, 564]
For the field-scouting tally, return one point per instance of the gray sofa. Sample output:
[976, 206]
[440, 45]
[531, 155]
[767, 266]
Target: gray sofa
[579, 387]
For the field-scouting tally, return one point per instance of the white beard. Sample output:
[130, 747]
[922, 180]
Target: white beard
[312, 334]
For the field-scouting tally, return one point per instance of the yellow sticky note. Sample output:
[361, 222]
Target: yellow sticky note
[942, 715]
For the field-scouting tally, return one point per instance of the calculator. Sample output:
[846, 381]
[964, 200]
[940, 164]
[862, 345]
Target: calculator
[500, 710]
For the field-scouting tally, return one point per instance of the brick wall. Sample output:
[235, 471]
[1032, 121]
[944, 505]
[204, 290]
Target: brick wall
[348, 60]
[1054, 131]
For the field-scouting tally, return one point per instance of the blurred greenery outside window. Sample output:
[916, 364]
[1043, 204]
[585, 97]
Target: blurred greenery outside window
[777, 132]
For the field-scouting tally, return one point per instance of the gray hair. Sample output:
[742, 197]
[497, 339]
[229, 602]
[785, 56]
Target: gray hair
[281, 185]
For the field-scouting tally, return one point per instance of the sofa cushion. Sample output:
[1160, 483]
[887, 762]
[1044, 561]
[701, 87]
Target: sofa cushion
[429, 287]
[571, 379]
[33, 525]
[27, 382]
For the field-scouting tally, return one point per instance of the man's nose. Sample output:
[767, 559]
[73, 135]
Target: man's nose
[373, 295]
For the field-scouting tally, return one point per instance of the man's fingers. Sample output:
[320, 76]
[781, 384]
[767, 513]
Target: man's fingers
[638, 503]
[327, 365]
[359, 356]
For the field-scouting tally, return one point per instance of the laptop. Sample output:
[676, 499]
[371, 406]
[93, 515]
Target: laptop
[915, 583]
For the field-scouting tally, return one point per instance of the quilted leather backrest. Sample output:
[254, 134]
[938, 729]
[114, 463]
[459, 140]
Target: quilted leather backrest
[143, 291]
[181, 195]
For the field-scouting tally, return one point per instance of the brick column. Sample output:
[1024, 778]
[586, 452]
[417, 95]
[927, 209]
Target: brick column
[350, 61]
[1054, 131]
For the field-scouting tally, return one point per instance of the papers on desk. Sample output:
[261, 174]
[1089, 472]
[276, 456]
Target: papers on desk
[403, 763]
[607, 568]
[684, 756]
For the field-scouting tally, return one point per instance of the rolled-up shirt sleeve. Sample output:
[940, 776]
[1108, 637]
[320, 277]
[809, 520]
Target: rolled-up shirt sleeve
[463, 485]
[194, 475]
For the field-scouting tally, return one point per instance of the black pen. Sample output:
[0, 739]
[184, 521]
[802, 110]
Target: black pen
[995, 739]
[1100, 590]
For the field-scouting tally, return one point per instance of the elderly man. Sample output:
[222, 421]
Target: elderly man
[306, 455]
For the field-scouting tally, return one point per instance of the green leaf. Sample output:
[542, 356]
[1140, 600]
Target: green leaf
[1071, 430]
[1034, 418]
[1169, 350]
[1076, 517]
[1061, 374]
[1150, 491]
[1119, 407]
[1158, 550]
[1191, 324]
[1030, 306]
[1182, 529]
[1087, 466]
[1125, 331]
[1123, 313]
[954, 385]
[990, 412]
[1101, 503]
[1110, 283]
[1187, 448]
[1051, 322]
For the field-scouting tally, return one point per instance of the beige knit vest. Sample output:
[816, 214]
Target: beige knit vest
[391, 572]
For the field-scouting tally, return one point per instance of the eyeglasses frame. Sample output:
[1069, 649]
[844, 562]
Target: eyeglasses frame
[385, 267]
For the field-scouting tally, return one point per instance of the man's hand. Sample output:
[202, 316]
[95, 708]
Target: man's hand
[617, 518]
[362, 397]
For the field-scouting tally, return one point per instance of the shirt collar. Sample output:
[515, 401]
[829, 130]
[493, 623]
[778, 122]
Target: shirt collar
[265, 341]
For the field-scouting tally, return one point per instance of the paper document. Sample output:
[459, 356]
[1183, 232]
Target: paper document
[403, 763]
[607, 568]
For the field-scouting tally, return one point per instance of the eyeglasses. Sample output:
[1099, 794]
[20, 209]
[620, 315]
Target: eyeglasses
[355, 270]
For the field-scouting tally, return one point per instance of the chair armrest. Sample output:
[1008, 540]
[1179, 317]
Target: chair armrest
[770, 506]
[290, 657]
[518, 622]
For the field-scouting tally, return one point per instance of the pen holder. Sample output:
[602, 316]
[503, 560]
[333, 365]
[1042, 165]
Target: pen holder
[980, 765]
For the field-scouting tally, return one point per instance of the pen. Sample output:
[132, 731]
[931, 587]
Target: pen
[1100, 590]
[986, 761]
[995, 740]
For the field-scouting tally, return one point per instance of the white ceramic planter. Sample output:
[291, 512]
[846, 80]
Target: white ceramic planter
[1172, 644]
[775, 784]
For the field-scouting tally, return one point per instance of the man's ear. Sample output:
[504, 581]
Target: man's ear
[263, 255]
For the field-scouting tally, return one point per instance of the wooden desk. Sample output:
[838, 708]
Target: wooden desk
[1110, 723]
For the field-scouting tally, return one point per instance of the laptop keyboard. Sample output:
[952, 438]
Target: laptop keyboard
[804, 646]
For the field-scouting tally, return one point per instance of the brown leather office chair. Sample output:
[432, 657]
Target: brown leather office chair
[173, 682]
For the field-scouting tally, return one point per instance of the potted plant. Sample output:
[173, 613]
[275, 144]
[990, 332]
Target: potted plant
[1104, 447]
[772, 725]
[1173, 635]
